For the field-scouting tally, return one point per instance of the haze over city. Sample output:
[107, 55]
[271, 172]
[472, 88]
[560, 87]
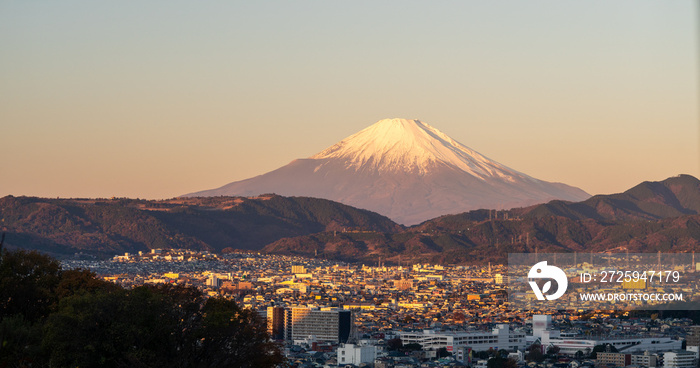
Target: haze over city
[161, 99]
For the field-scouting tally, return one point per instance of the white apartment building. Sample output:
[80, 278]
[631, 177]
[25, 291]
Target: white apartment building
[500, 337]
[680, 359]
[354, 354]
[331, 324]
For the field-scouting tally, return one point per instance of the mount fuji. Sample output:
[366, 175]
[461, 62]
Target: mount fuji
[406, 170]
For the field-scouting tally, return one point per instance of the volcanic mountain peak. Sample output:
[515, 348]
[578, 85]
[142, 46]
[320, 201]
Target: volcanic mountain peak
[402, 145]
[406, 170]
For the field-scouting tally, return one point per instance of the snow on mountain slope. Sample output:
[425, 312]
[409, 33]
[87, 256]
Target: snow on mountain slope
[401, 145]
[406, 170]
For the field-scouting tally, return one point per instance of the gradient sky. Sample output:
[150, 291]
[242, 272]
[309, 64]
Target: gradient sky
[160, 98]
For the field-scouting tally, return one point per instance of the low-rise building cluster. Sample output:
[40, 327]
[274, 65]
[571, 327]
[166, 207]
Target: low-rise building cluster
[330, 314]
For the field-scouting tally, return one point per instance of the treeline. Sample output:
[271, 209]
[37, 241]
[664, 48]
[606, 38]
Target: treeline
[51, 317]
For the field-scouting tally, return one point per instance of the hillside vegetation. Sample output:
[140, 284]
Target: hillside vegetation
[66, 226]
[650, 217]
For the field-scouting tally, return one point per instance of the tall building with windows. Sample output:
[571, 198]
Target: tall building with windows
[298, 323]
[275, 322]
[331, 324]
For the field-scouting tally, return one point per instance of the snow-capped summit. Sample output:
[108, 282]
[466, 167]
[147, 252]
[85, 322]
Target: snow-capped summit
[406, 170]
[401, 145]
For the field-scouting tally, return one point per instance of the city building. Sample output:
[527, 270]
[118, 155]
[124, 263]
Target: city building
[541, 322]
[275, 322]
[500, 279]
[622, 360]
[644, 360]
[542, 330]
[680, 359]
[214, 281]
[304, 323]
[500, 337]
[570, 346]
[518, 356]
[403, 284]
[462, 354]
[353, 354]
[693, 336]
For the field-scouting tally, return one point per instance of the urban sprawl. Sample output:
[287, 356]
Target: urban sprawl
[330, 314]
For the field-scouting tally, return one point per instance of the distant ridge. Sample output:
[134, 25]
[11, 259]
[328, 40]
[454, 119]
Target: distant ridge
[650, 200]
[652, 216]
[104, 226]
[406, 170]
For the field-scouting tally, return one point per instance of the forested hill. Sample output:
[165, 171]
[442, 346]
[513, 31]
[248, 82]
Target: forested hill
[649, 217]
[652, 216]
[651, 200]
[110, 226]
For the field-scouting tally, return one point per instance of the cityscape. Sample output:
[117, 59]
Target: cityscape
[335, 184]
[330, 314]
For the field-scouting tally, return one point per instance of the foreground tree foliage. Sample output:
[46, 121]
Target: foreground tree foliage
[27, 284]
[73, 319]
[226, 327]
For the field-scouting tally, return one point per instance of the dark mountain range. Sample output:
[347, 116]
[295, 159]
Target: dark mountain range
[492, 240]
[65, 226]
[673, 197]
[651, 216]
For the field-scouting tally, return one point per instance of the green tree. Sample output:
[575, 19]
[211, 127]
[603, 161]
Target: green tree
[442, 352]
[552, 350]
[97, 329]
[234, 337]
[72, 318]
[27, 284]
[482, 355]
[394, 344]
[156, 326]
[20, 342]
[501, 362]
[81, 281]
[535, 354]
